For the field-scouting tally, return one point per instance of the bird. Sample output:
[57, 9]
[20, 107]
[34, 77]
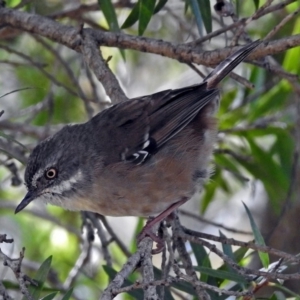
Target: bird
[142, 157]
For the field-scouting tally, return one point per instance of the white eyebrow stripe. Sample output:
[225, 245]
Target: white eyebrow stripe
[39, 174]
[65, 185]
[36, 176]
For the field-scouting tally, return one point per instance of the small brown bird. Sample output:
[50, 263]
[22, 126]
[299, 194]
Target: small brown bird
[142, 157]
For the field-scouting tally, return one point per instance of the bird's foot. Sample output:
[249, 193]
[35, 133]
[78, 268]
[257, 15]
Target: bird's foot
[147, 231]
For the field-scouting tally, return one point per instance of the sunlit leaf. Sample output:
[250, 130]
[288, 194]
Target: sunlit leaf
[256, 3]
[145, 13]
[67, 295]
[109, 14]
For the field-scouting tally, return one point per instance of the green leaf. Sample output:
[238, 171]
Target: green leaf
[145, 13]
[159, 6]
[196, 11]
[263, 165]
[68, 294]
[264, 257]
[239, 254]
[227, 249]
[237, 7]
[133, 16]
[284, 147]
[278, 296]
[256, 3]
[202, 259]
[225, 275]
[109, 14]
[137, 230]
[186, 6]
[205, 11]
[40, 278]
[185, 287]
[50, 296]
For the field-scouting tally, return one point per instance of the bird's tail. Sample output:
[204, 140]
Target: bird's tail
[227, 65]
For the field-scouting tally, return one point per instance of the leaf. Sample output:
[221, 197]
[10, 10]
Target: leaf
[145, 13]
[159, 6]
[225, 275]
[227, 249]
[278, 295]
[138, 229]
[50, 296]
[185, 287]
[196, 11]
[264, 257]
[202, 259]
[237, 7]
[264, 166]
[109, 14]
[142, 11]
[256, 3]
[205, 11]
[67, 295]
[133, 16]
[40, 277]
[239, 254]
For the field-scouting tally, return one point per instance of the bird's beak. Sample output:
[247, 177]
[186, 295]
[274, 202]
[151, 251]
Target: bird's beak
[27, 199]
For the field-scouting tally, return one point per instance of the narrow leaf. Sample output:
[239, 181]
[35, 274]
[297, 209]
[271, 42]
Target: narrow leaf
[67, 295]
[50, 296]
[196, 11]
[159, 6]
[133, 16]
[204, 6]
[256, 3]
[202, 259]
[264, 257]
[227, 249]
[40, 277]
[225, 275]
[145, 13]
[237, 7]
[109, 14]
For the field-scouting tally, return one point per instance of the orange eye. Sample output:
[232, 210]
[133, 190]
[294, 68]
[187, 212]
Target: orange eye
[51, 173]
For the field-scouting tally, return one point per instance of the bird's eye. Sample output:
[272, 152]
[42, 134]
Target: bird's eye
[51, 173]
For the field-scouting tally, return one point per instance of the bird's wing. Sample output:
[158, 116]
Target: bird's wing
[137, 128]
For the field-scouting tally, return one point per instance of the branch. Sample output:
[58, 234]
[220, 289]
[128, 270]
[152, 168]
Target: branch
[71, 37]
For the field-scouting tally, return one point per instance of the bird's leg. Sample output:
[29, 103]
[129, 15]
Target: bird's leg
[147, 230]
